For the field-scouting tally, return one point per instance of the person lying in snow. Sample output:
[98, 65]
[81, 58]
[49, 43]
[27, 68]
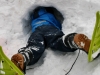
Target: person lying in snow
[46, 32]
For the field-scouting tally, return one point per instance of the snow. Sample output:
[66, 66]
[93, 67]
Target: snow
[79, 17]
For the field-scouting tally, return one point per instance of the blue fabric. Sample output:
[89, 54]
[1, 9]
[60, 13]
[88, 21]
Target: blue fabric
[45, 18]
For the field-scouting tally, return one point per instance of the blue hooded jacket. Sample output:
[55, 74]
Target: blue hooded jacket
[45, 18]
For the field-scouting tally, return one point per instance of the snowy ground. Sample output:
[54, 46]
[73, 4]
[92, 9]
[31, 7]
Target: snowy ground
[79, 17]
